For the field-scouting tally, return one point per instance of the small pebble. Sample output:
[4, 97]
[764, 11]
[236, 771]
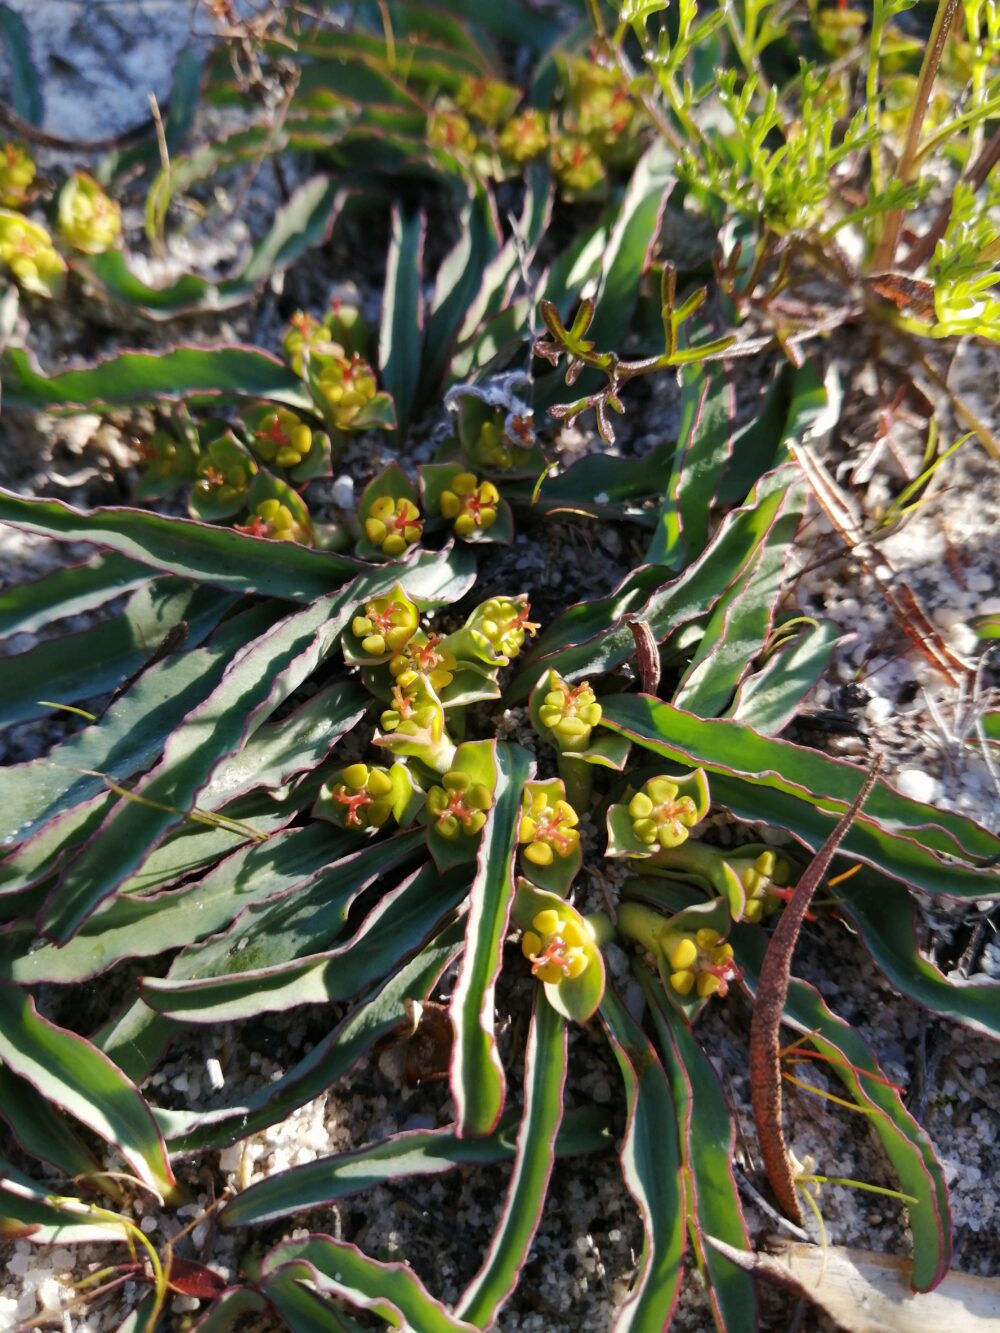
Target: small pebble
[917, 785]
[213, 1070]
[879, 710]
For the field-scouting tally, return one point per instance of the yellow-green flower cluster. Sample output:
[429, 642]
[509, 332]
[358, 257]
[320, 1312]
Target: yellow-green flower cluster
[88, 219]
[282, 437]
[760, 877]
[17, 171]
[423, 658]
[223, 473]
[576, 163]
[458, 807]
[386, 624]
[362, 796]
[524, 137]
[28, 252]
[660, 815]
[449, 130]
[393, 525]
[273, 519]
[557, 946]
[487, 100]
[570, 712]
[699, 962]
[548, 828]
[345, 384]
[471, 505]
[504, 622]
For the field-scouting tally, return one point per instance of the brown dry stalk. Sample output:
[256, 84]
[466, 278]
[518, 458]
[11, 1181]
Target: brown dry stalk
[909, 615]
[647, 655]
[772, 992]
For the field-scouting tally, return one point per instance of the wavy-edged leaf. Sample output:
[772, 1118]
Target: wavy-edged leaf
[907, 1145]
[304, 222]
[127, 738]
[544, 1079]
[127, 378]
[458, 282]
[159, 616]
[402, 324]
[738, 627]
[303, 1309]
[651, 1166]
[225, 1312]
[187, 1131]
[26, 86]
[477, 1080]
[592, 637]
[883, 913]
[704, 441]
[25, 607]
[336, 1268]
[774, 781]
[138, 927]
[261, 676]
[397, 926]
[28, 1211]
[40, 1129]
[416, 1152]
[600, 486]
[72, 1074]
[707, 1140]
[768, 699]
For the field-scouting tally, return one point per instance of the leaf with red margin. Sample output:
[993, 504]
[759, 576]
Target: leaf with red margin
[651, 1166]
[477, 1079]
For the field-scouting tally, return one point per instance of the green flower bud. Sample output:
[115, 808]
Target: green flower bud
[346, 385]
[470, 505]
[28, 252]
[660, 815]
[458, 807]
[503, 622]
[524, 138]
[88, 219]
[576, 164]
[393, 525]
[385, 625]
[17, 171]
[487, 100]
[362, 797]
[281, 436]
[450, 131]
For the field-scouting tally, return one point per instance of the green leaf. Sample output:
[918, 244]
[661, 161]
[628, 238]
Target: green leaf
[304, 222]
[704, 440]
[258, 681]
[544, 1080]
[71, 1073]
[791, 406]
[477, 1080]
[235, 560]
[768, 699]
[27, 1210]
[40, 1129]
[334, 1268]
[458, 283]
[738, 628]
[708, 1141]
[592, 637]
[97, 659]
[883, 913]
[626, 255]
[402, 325]
[128, 737]
[26, 86]
[417, 1152]
[329, 1059]
[651, 1167]
[907, 1145]
[774, 781]
[25, 607]
[303, 1309]
[138, 927]
[398, 925]
[128, 378]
